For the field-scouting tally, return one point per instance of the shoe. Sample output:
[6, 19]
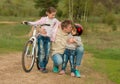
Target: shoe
[62, 72]
[55, 69]
[72, 74]
[43, 70]
[77, 74]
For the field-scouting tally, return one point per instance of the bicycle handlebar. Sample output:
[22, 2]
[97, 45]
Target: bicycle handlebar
[26, 23]
[45, 25]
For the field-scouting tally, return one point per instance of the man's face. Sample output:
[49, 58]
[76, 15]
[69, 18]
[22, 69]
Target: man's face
[68, 28]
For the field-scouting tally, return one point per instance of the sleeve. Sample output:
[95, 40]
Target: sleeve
[38, 22]
[55, 28]
[78, 41]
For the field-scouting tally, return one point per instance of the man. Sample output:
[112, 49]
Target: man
[58, 47]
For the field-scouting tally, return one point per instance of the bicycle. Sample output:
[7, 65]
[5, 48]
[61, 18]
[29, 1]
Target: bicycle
[30, 52]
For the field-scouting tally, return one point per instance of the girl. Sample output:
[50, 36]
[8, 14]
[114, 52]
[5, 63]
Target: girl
[69, 54]
[47, 34]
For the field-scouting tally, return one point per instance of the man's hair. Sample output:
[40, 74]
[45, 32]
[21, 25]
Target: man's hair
[51, 10]
[65, 23]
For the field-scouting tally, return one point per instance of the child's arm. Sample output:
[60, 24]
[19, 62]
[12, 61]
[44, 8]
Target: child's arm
[38, 22]
[78, 41]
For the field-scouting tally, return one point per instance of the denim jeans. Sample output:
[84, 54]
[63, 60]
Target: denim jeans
[68, 56]
[57, 58]
[43, 50]
[79, 55]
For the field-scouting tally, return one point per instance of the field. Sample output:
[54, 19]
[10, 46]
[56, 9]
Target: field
[100, 65]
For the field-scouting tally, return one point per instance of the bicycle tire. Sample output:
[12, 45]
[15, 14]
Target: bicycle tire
[37, 59]
[28, 55]
[37, 64]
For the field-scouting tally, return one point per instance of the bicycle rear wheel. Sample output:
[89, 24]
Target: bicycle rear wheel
[28, 57]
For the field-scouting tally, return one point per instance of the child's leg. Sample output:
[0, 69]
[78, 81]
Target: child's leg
[46, 50]
[65, 61]
[71, 60]
[79, 55]
[78, 58]
[40, 50]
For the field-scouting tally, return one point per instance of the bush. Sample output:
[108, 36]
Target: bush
[114, 27]
[99, 9]
[109, 19]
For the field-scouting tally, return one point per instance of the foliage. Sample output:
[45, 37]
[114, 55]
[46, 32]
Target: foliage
[80, 8]
[99, 10]
[44, 4]
[109, 18]
[17, 8]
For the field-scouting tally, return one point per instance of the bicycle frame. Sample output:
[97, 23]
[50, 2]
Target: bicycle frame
[34, 39]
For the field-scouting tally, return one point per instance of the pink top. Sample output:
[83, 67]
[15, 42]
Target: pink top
[52, 29]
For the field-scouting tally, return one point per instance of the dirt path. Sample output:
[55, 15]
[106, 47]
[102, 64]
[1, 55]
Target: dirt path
[8, 22]
[11, 73]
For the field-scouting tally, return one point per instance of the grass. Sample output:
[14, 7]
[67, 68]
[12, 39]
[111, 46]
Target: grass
[18, 19]
[106, 50]
[12, 37]
[99, 40]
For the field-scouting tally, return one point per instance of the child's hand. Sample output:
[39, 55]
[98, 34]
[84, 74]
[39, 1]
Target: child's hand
[24, 22]
[74, 40]
[71, 40]
[42, 31]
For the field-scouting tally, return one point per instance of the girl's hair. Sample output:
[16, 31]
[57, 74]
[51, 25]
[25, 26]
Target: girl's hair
[65, 23]
[79, 29]
[51, 10]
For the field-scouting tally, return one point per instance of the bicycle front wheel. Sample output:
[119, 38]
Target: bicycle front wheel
[28, 57]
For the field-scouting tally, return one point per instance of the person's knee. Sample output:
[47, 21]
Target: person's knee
[57, 59]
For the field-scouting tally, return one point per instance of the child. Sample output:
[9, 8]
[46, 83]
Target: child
[47, 34]
[69, 53]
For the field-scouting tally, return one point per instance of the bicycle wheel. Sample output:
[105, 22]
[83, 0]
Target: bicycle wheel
[28, 57]
[37, 60]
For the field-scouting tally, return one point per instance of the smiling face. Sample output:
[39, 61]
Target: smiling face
[51, 15]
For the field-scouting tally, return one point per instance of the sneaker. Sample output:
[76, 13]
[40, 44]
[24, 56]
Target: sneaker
[77, 73]
[72, 74]
[62, 72]
[55, 69]
[43, 70]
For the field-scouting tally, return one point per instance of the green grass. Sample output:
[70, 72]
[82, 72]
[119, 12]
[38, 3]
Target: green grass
[106, 50]
[12, 37]
[17, 19]
[103, 44]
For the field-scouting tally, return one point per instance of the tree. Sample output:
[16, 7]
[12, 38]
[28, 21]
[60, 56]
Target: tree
[75, 8]
[42, 5]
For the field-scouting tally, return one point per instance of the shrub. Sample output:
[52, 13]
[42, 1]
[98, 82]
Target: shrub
[109, 19]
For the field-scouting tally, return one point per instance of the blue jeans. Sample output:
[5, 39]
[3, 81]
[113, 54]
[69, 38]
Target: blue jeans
[68, 56]
[43, 50]
[79, 55]
[57, 58]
